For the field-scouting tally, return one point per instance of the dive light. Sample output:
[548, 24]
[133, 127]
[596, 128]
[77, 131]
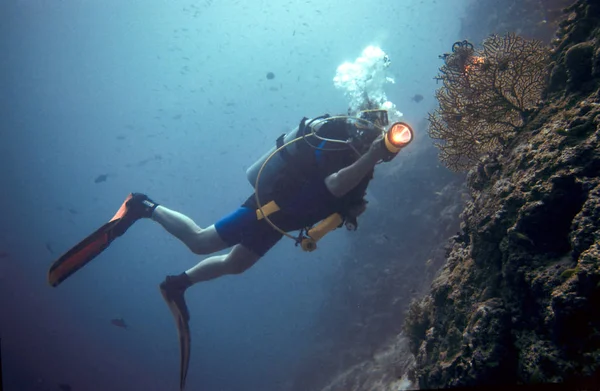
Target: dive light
[397, 137]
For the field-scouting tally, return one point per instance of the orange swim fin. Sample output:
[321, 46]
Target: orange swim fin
[179, 311]
[90, 247]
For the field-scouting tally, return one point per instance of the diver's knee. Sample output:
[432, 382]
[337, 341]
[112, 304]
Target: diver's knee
[199, 248]
[238, 267]
[240, 259]
[205, 242]
[201, 245]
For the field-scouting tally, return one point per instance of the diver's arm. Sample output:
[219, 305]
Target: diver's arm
[341, 182]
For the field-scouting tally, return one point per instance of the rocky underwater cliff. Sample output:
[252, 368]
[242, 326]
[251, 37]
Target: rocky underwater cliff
[513, 297]
[517, 300]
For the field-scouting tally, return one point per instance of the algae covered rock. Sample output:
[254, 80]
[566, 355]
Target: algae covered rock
[517, 300]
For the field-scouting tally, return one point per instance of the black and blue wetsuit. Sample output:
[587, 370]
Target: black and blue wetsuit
[301, 194]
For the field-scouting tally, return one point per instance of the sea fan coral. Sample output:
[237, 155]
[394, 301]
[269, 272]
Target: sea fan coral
[486, 96]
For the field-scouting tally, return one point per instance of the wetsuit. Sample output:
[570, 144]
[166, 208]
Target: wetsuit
[301, 194]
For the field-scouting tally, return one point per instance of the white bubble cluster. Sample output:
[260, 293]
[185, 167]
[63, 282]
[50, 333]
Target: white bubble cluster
[363, 81]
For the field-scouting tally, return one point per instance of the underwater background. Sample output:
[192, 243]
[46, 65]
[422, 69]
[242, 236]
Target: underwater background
[176, 99]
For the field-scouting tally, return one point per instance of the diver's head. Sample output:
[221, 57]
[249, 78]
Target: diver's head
[376, 116]
[366, 126]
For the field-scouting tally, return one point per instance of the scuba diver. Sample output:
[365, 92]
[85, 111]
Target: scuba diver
[313, 180]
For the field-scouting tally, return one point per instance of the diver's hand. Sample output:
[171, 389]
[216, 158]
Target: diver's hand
[357, 210]
[352, 216]
[377, 151]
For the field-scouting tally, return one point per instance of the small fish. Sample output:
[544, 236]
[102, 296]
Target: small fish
[101, 178]
[72, 211]
[65, 387]
[143, 162]
[119, 322]
[417, 98]
[49, 248]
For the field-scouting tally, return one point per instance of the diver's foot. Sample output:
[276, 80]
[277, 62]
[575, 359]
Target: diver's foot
[140, 206]
[135, 207]
[172, 290]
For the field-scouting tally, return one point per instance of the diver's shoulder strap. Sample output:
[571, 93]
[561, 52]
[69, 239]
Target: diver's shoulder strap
[283, 152]
[302, 128]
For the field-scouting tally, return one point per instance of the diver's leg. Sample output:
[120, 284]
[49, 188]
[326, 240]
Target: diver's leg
[198, 240]
[251, 239]
[237, 261]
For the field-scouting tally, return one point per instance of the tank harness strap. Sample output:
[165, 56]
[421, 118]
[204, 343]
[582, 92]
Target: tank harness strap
[302, 126]
[284, 153]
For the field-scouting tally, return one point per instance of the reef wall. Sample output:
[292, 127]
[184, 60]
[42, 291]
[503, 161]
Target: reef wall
[491, 279]
[517, 300]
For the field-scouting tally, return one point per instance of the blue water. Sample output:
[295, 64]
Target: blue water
[171, 98]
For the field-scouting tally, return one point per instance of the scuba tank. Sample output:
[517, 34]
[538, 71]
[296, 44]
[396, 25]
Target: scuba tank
[277, 161]
[275, 165]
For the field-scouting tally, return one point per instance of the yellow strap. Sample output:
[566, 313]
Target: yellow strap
[267, 209]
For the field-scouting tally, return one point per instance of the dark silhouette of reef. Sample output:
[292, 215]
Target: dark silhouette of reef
[517, 300]
[530, 19]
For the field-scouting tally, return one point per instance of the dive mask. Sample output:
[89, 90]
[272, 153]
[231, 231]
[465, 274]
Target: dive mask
[377, 116]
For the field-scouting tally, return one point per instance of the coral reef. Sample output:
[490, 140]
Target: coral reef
[517, 299]
[488, 318]
[485, 97]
